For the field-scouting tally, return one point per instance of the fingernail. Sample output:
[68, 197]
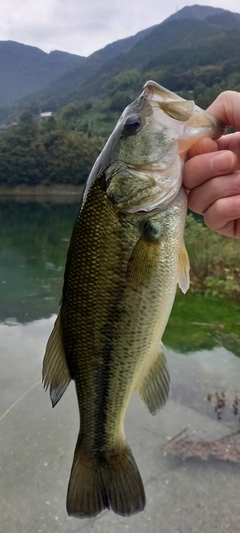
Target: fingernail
[223, 161]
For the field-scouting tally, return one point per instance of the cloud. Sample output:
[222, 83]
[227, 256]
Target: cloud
[58, 24]
[83, 27]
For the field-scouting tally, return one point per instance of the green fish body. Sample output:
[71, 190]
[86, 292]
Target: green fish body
[125, 259]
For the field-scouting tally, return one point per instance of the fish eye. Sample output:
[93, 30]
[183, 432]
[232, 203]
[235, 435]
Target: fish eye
[132, 125]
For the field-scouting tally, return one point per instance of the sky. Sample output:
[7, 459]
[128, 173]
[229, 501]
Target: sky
[83, 26]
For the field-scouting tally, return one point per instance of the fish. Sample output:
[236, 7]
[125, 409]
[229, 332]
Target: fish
[125, 259]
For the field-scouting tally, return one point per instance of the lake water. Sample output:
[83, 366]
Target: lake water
[37, 443]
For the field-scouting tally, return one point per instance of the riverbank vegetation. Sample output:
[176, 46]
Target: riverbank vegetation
[46, 154]
[214, 260]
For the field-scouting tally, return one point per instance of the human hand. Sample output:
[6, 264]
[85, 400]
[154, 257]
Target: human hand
[212, 171]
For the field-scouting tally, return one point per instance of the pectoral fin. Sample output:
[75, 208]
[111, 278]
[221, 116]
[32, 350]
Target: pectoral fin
[144, 260]
[183, 269]
[141, 263]
[154, 389]
[55, 373]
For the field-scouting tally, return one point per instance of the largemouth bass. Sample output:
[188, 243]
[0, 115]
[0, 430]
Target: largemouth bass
[125, 259]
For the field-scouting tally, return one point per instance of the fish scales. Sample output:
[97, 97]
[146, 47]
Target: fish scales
[125, 259]
[120, 344]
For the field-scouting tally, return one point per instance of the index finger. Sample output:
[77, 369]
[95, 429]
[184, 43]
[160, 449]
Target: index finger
[204, 167]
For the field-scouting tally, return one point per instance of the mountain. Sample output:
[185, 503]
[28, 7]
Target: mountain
[119, 47]
[25, 69]
[174, 35]
[195, 12]
[213, 15]
[227, 20]
[189, 28]
[166, 36]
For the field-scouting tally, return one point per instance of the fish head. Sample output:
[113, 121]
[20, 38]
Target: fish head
[186, 121]
[142, 160]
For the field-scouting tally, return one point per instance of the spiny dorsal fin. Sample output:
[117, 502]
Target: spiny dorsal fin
[55, 373]
[154, 388]
[183, 269]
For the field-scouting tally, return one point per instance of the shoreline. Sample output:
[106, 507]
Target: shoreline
[43, 190]
[57, 194]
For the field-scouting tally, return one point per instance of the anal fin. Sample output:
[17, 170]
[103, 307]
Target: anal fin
[154, 388]
[55, 372]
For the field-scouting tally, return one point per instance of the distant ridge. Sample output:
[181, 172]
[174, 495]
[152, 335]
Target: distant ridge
[31, 78]
[25, 69]
[195, 12]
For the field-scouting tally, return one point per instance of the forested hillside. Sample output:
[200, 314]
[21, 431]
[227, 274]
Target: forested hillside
[32, 154]
[25, 69]
[198, 59]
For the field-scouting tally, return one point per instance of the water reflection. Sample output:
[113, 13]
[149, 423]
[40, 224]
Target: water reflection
[34, 239]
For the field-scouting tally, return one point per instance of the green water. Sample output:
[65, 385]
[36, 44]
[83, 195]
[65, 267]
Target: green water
[34, 239]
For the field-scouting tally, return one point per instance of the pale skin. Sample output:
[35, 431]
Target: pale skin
[212, 171]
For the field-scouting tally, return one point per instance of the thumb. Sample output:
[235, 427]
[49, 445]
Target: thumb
[226, 107]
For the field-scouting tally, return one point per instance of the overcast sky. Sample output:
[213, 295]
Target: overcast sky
[83, 26]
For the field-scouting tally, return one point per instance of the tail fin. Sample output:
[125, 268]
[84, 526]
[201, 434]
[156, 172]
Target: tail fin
[114, 483]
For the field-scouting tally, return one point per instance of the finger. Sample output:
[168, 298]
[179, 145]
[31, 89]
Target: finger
[203, 167]
[203, 146]
[226, 107]
[223, 216]
[202, 197]
[231, 142]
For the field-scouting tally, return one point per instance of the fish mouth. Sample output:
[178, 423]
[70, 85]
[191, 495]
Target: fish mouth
[185, 111]
[157, 92]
